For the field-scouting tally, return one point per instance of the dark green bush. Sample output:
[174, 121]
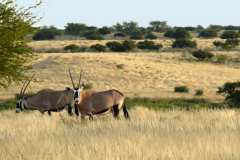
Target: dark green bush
[83, 49]
[169, 34]
[231, 91]
[72, 48]
[178, 33]
[125, 46]
[181, 89]
[98, 48]
[227, 45]
[116, 46]
[129, 45]
[208, 33]
[119, 35]
[104, 30]
[93, 35]
[184, 43]
[46, 33]
[75, 29]
[229, 35]
[150, 35]
[137, 35]
[202, 54]
[232, 42]
[198, 92]
[149, 45]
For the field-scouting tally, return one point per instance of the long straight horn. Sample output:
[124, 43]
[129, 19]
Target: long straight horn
[28, 84]
[24, 83]
[70, 74]
[80, 78]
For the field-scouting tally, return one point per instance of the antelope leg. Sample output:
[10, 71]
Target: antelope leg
[115, 111]
[76, 110]
[70, 110]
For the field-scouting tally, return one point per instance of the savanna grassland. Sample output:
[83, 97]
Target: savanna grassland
[150, 134]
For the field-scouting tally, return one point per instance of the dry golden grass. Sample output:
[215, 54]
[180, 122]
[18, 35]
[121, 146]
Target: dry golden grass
[202, 43]
[151, 135]
[140, 74]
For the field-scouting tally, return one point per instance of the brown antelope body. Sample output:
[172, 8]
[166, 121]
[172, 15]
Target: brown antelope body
[48, 100]
[92, 103]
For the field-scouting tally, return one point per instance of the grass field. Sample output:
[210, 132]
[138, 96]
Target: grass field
[202, 43]
[135, 74]
[184, 127]
[204, 134]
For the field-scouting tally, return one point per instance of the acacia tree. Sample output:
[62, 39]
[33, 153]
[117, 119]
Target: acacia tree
[15, 25]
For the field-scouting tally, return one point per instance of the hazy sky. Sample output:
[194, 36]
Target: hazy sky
[108, 12]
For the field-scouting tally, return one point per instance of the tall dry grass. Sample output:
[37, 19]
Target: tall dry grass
[141, 74]
[205, 134]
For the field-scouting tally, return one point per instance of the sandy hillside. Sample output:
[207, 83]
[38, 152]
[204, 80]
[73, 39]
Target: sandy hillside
[135, 74]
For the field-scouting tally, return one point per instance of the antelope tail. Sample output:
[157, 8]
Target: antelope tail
[125, 112]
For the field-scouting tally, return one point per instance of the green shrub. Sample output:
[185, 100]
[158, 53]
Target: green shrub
[93, 35]
[231, 91]
[202, 54]
[119, 35]
[98, 48]
[181, 89]
[125, 46]
[46, 33]
[169, 34]
[178, 33]
[75, 29]
[149, 45]
[208, 33]
[71, 48]
[129, 45]
[232, 42]
[116, 46]
[221, 58]
[83, 49]
[184, 43]
[229, 35]
[137, 35]
[172, 103]
[150, 35]
[198, 92]
[227, 45]
[104, 30]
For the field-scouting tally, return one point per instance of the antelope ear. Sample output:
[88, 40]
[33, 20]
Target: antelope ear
[68, 89]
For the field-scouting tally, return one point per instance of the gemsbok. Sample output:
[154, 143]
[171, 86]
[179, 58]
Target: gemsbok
[48, 100]
[94, 103]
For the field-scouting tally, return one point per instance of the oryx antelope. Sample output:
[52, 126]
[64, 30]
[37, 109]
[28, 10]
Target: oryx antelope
[93, 103]
[48, 100]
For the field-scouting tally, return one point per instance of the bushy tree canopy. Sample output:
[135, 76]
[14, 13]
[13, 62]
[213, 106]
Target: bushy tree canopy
[231, 92]
[15, 25]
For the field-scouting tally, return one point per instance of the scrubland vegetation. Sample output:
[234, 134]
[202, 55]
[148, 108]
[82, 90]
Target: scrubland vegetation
[181, 86]
[206, 134]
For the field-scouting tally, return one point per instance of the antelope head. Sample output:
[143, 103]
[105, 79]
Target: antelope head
[77, 89]
[21, 101]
